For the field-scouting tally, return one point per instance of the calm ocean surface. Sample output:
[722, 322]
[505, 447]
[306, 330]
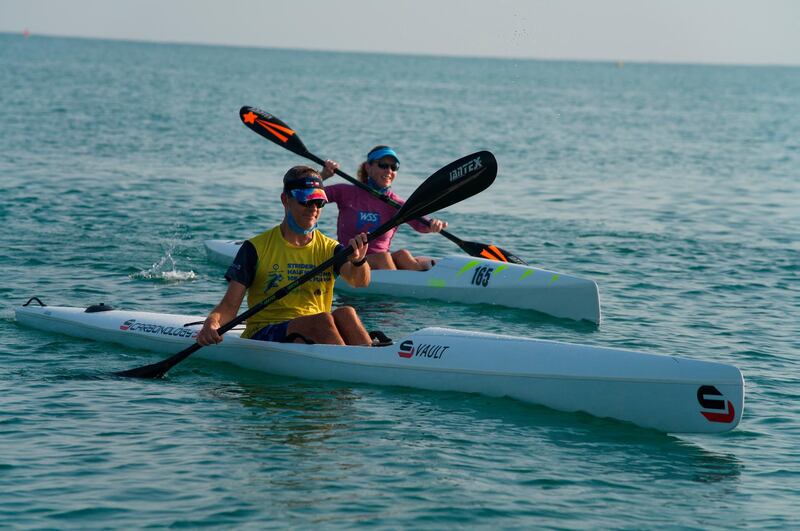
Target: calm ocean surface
[676, 188]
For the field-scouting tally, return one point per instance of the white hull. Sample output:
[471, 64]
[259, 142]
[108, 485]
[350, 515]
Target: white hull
[653, 391]
[470, 280]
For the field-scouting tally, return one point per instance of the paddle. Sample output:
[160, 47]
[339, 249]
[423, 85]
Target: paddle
[455, 182]
[272, 128]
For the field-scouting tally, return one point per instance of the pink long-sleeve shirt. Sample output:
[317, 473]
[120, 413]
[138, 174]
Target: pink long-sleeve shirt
[360, 211]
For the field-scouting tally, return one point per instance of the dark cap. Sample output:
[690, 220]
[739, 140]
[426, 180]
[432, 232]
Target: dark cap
[302, 174]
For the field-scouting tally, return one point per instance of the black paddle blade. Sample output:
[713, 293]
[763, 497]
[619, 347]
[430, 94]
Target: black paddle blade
[491, 252]
[272, 128]
[455, 182]
[156, 370]
[159, 369]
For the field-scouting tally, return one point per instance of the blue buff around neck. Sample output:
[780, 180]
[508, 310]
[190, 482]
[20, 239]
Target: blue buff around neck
[297, 228]
[374, 186]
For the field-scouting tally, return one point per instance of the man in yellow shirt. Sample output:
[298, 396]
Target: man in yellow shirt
[274, 258]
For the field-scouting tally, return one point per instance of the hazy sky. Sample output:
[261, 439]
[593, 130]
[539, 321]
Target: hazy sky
[705, 31]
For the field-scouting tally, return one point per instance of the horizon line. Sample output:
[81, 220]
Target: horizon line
[619, 62]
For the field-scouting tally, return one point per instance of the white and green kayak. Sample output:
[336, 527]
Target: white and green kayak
[666, 393]
[470, 280]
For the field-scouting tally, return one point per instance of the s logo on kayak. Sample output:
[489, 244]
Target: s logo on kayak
[464, 169]
[406, 349]
[722, 410]
[424, 350]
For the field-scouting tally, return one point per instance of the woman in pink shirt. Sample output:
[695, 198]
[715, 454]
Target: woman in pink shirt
[360, 211]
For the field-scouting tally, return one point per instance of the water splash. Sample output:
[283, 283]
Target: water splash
[165, 270]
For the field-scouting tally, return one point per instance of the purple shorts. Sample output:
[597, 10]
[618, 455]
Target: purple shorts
[274, 332]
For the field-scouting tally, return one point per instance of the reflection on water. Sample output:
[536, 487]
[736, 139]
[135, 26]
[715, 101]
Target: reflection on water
[712, 467]
[325, 417]
[290, 412]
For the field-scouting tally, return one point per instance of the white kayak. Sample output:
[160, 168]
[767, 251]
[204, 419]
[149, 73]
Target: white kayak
[666, 393]
[470, 280]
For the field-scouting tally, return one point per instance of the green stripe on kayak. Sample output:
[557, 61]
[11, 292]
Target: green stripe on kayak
[436, 283]
[469, 265]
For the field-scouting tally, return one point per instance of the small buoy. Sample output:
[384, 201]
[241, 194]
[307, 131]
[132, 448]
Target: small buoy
[26, 33]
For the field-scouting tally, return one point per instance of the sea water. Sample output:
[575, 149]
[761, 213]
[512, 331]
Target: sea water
[674, 187]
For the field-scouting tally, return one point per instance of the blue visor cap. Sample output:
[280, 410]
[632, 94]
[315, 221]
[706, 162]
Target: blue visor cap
[382, 152]
[306, 189]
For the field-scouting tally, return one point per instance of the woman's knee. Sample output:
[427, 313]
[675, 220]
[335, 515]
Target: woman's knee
[405, 260]
[381, 261]
[402, 255]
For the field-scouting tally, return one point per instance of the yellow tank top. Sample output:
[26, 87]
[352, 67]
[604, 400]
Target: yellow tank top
[279, 263]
